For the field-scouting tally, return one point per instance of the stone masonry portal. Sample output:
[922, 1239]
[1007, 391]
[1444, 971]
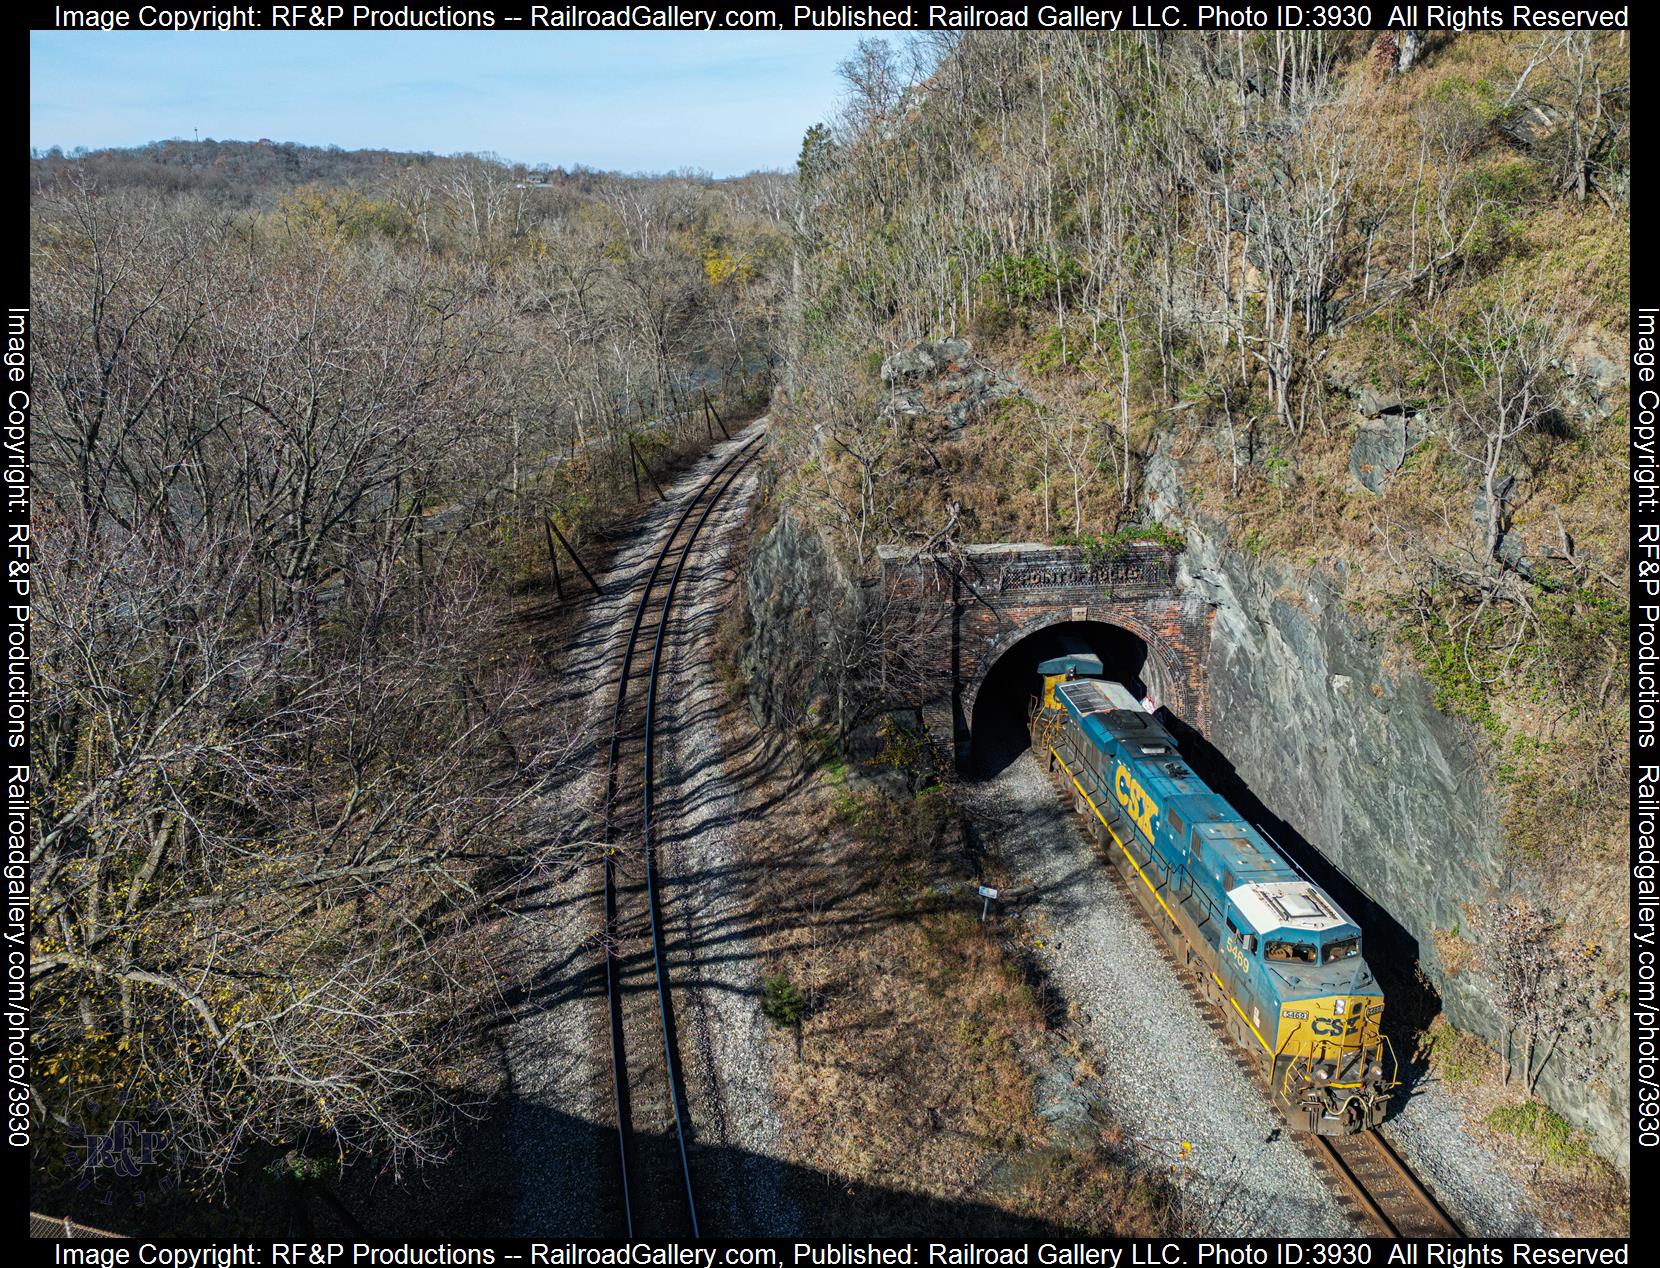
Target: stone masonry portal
[948, 617]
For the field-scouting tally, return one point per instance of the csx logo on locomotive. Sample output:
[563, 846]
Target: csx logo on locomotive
[1336, 1026]
[1137, 804]
[1283, 960]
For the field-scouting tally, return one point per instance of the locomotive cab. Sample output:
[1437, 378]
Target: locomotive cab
[1331, 1061]
[1076, 662]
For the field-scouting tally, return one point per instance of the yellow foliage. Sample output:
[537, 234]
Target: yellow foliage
[720, 268]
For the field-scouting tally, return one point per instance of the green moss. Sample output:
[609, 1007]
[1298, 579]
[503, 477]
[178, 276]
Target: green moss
[1106, 547]
[1543, 1128]
[1457, 664]
[1030, 281]
[1509, 184]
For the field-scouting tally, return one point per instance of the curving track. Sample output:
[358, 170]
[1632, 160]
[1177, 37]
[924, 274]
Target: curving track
[658, 1198]
[1362, 1168]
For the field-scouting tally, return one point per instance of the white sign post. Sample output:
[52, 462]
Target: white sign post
[987, 893]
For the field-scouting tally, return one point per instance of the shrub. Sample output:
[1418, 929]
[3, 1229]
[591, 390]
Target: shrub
[782, 1002]
[1458, 1058]
[1106, 547]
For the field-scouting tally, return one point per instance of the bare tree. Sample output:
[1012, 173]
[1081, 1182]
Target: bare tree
[1544, 994]
[1496, 370]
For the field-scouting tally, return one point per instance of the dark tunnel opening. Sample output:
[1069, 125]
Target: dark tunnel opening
[999, 731]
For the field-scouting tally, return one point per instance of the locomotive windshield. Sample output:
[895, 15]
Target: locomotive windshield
[1344, 949]
[1300, 951]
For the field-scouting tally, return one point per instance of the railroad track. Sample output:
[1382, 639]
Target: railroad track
[1383, 1186]
[655, 1170]
[1362, 1168]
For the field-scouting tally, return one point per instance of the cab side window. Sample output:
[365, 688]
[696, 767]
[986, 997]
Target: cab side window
[1246, 940]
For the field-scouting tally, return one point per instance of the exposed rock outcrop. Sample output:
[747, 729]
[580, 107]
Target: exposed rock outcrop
[1352, 757]
[800, 598]
[1380, 447]
[943, 379]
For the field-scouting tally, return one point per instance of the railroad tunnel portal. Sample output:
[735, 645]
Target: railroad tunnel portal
[998, 719]
[965, 629]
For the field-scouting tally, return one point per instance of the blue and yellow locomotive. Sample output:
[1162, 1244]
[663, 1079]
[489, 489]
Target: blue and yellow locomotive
[1275, 954]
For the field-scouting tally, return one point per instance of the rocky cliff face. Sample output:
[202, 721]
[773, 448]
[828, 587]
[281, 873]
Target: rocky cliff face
[1351, 758]
[800, 600]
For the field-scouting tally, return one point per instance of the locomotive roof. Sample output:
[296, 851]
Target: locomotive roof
[1106, 710]
[1079, 663]
[1295, 904]
[1090, 695]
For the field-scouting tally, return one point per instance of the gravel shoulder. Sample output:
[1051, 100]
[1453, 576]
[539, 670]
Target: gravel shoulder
[545, 1163]
[1431, 1132]
[715, 944]
[1167, 1078]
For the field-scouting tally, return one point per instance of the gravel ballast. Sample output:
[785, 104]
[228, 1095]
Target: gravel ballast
[1430, 1134]
[1168, 1077]
[560, 1152]
[714, 944]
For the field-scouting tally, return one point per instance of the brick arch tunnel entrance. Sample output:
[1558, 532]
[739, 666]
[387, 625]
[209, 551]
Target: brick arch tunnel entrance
[998, 723]
[975, 621]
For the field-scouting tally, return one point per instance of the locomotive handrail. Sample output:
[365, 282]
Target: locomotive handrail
[1286, 855]
[1298, 867]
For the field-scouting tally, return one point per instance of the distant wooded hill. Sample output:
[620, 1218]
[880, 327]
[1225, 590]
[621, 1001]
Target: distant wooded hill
[252, 172]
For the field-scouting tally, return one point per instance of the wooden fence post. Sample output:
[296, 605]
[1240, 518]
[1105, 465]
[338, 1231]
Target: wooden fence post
[710, 406]
[575, 558]
[649, 476]
[553, 557]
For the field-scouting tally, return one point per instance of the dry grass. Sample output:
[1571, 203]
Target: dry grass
[910, 1085]
[1574, 1191]
[916, 1065]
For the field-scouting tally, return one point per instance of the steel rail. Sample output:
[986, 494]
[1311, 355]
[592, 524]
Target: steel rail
[664, 1010]
[613, 993]
[1390, 1213]
[1379, 1208]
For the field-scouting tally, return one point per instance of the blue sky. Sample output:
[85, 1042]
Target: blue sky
[727, 102]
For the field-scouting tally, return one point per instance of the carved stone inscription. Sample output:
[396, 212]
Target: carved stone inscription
[1120, 574]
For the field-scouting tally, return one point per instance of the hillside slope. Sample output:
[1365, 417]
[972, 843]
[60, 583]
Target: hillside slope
[1351, 322]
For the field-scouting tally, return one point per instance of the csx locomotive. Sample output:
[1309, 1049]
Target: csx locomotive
[1274, 953]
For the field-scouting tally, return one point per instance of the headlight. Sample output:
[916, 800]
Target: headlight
[1375, 1072]
[1322, 1074]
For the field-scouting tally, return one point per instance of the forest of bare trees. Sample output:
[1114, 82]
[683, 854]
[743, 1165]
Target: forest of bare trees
[1180, 221]
[301, 412]
[289, 450]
